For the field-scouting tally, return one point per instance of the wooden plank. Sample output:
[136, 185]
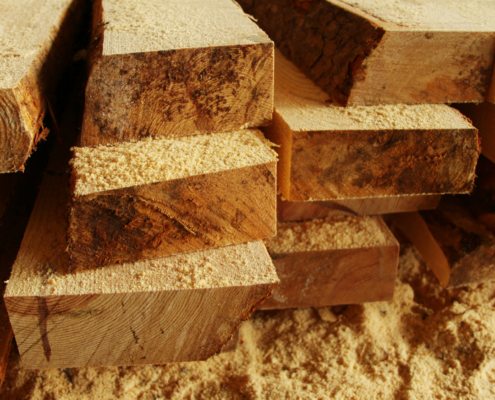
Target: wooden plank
[178, 308]
[483, 118]
[457, 248]
[365, 52]
[170, 67]
[305, 210]
[36, 43]
[154, 198]
[330, 152]
[338, 260]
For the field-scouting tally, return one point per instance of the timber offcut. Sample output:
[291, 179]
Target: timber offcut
[305, 210]
[164, 68]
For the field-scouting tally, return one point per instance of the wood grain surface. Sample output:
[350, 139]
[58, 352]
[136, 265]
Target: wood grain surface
[360, 53]
[213, 72]
[125, 314]
[304, 210]
[320, 278]
[149, 221]
[329, 153]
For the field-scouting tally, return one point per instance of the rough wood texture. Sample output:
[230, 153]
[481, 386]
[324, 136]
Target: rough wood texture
[304, 210]
[193, 302]
[335, 276]
[160, 68]
[483, 118]
[330, 152]
[36, 43]
[458, 249]
[386, 52]
[174, 215]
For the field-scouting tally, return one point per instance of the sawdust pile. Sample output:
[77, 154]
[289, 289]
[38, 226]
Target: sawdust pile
[428, 343]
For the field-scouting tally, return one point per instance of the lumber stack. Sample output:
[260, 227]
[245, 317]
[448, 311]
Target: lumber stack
[159, 257]
[393, 148]
[147, 241]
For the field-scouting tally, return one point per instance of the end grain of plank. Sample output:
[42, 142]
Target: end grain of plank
[161, 68]
[333, 153]
[168, 196]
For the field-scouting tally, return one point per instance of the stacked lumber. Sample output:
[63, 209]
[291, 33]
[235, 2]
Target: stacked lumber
[36, 44]
[393, 148]
[145, 245]
[159, 258]
[7, 183]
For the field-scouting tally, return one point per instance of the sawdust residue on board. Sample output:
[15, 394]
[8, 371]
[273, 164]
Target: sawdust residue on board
[426, 343]
[327, 234]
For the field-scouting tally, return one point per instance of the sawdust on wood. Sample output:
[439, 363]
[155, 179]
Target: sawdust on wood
[428, 343]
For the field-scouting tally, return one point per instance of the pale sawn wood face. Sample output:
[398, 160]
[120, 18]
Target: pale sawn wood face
[129, 328]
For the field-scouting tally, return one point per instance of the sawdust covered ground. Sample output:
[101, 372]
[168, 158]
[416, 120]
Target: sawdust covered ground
[427, 343]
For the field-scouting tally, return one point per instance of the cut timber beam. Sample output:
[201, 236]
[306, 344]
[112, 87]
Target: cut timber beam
[178, 308]
[304, 210]
[365, 52]
[338, 260]
[175, 67]
[483, 118]
[153, 198]
[330, 152]
[457, 248]
[36, 43]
